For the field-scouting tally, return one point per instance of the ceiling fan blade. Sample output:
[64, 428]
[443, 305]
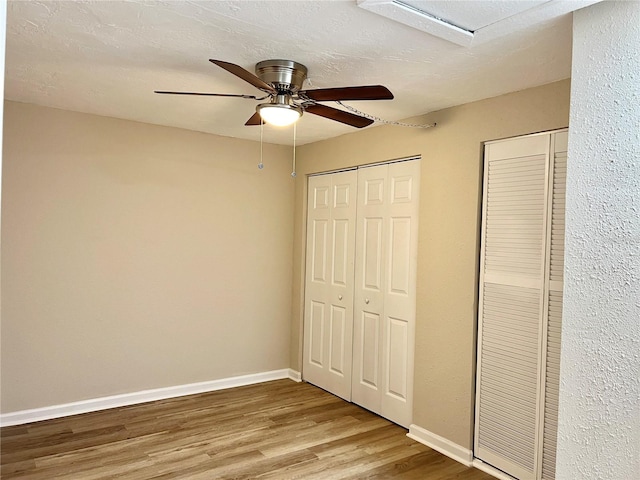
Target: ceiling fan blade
[255, 119]
[252, 97]
[245, 75]
[338, 115]
[365, 92]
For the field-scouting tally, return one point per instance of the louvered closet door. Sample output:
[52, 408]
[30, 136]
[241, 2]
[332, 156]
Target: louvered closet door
[555, 236]
[328, 317]
[510, 306]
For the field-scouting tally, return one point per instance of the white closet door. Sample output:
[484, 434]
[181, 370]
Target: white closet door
[555, 268]
[369, 296]
[384, 311]
[328, 317]
[400, 292]
[510, 304]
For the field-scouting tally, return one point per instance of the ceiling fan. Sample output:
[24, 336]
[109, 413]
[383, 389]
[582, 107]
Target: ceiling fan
[281, 81]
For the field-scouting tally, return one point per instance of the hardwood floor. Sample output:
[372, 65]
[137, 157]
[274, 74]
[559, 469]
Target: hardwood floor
[274, 430]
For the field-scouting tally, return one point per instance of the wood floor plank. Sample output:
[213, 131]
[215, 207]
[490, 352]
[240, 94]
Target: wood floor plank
[277, 430]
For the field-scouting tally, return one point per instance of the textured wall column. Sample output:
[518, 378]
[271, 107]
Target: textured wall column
[599, 429]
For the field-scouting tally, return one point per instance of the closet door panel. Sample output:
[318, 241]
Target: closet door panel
[520, 304]
[341, 271]
[369, 294]
[328, 321]
[400, 256]
[554, 305]
[337, 344]
[514, 220]
[319, 250]
[397, 358]
[509, 379]
[316, 323]
[511, 296]
[372, 255]
[399, 291]
[370, 343]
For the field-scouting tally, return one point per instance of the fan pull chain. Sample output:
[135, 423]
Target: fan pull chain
[382, 120]
[261, 165]
[293, 172]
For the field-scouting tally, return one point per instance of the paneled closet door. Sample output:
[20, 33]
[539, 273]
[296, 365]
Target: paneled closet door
[510, 304]
[328, 317]
[384, 311]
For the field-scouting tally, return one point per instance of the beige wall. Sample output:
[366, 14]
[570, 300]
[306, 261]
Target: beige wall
[448, 237]
[138, 257]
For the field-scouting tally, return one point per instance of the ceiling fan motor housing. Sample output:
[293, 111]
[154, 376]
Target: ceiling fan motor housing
[285, 76]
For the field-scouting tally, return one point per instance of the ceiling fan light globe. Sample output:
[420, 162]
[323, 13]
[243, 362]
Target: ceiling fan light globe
[278, 114]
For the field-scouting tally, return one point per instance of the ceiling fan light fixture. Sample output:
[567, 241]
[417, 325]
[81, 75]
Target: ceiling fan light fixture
[279, 114]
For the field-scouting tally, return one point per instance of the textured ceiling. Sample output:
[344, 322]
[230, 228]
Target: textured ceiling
[107, 57]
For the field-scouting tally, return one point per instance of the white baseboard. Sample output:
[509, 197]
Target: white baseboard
[454, 451]
[485, 467]
[103, 403]
[441, 444]
[295, 375]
